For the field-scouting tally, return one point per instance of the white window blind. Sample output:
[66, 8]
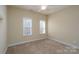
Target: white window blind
[42, 26]
[27, 26]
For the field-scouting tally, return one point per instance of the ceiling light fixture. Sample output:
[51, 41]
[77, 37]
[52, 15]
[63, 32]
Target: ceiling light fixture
[43, 7]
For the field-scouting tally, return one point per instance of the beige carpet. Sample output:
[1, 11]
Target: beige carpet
[44, 46]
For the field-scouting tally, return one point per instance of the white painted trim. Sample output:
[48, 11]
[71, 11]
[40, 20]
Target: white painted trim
[71, 45]
[24, 42]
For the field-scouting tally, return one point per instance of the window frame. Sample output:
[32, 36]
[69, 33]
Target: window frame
[43, 19]
[26, 19]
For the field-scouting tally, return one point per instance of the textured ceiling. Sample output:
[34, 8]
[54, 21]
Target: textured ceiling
[37, 8]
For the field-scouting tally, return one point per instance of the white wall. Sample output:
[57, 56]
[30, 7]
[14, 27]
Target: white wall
[3, 41]
[64, 25]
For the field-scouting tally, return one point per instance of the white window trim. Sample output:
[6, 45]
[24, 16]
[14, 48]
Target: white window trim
[26, 18]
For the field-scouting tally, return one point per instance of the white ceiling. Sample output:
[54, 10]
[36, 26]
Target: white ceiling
[37, 8]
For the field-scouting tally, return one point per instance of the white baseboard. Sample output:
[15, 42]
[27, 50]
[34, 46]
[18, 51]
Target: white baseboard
[71, 45]
[24, 42]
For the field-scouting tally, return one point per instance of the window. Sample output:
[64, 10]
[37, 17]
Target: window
[42, 26]
[27, 26]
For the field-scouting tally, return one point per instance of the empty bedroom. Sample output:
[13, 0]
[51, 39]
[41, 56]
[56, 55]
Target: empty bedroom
[39, 29]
